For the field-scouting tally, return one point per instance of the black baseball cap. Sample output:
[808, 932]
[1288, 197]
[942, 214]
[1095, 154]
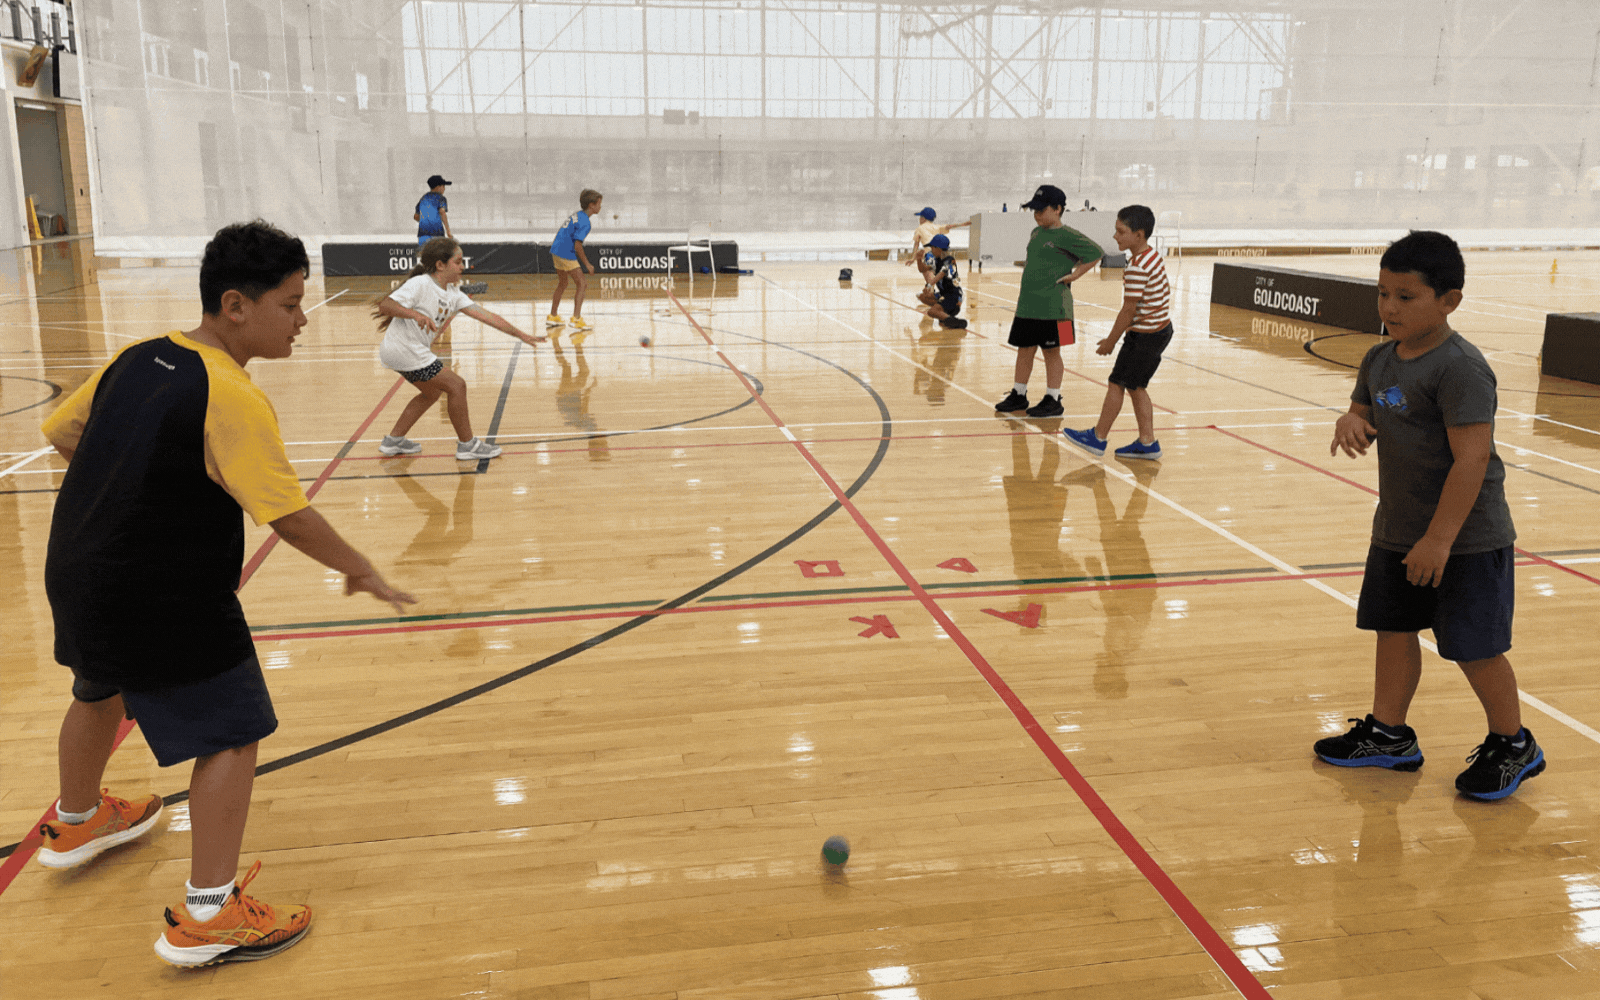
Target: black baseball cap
[1048, 196]
[436, 180]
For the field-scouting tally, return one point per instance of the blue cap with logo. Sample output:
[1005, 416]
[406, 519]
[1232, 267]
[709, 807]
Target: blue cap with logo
[1047, 196]
[941, 241]
[928, 214]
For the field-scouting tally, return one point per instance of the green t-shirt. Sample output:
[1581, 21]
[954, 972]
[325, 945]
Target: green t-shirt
[1052, 254]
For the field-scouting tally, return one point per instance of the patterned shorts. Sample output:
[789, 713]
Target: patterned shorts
[424, 374]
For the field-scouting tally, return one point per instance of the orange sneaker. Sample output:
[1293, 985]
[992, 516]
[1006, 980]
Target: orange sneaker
[246, 930]
[117, 821]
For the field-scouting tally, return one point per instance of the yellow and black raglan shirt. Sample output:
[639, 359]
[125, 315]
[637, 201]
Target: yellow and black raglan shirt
[172, 442]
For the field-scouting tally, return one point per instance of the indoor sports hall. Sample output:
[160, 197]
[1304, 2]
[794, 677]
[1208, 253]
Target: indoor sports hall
[759, 564]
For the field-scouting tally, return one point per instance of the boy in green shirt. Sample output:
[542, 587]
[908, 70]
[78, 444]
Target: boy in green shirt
[1057, 256]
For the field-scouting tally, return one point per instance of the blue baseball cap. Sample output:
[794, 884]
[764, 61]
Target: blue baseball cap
[941, 241]
[928, 214]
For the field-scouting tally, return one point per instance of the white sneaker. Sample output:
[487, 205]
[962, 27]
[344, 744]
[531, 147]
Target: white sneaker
[399, 446]
[471, 451]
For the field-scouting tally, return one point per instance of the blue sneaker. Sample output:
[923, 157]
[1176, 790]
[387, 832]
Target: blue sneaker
[1499, 766]
[1138, 450]
[1365, 746]
[1086, 440]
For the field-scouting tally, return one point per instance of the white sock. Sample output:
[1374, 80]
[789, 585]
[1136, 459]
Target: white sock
[73, 819]
[1020, 388]
[1053, 392]
[203, 904]
[467, 443]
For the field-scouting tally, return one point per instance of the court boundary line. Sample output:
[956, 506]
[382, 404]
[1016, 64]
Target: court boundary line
[1209, 939]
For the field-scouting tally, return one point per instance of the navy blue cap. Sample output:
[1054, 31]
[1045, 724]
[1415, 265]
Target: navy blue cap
[941, 241]
[1048, 196]
[928, 214]
[437, 181]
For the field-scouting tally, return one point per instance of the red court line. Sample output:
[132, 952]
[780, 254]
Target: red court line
[30, 843]
[1203, 932]
[272, 539]
[1362, 486]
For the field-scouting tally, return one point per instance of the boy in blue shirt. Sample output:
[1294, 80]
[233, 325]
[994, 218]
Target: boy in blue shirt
[1441, 554]
[567, 251]
[432, 215]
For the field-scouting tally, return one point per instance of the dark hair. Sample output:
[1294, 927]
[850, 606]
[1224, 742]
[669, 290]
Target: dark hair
[1138, 218]
[252, 258]
[588, 196]
[1434, 257]
[433, 253]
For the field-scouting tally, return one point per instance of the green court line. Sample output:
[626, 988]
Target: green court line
[834, 592]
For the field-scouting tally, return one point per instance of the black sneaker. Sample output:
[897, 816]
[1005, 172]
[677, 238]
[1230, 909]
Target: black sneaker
[1013, 402]
[1498, 767]
[1049, 406]
[1364, 746]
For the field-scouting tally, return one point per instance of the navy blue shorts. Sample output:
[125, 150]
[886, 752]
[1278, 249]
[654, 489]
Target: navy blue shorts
[224, 712]
[1139, 357]
[1469, 612]
[951, 304]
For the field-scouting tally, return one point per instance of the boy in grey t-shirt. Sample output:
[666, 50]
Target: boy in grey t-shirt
[1441, 554]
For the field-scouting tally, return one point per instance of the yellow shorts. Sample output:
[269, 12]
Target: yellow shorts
[563, 264]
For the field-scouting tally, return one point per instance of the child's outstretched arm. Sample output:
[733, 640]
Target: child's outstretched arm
[1353, 431]
[307, 531]
[488, 318]
[389, 307]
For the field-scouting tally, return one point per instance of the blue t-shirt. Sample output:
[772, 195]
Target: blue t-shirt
[431, 205]
[575, 228]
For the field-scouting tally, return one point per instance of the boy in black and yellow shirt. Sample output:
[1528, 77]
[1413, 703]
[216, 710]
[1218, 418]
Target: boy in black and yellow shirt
[1057, 256]
[168, 446]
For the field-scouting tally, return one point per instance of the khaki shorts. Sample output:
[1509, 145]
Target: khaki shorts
[563, 264]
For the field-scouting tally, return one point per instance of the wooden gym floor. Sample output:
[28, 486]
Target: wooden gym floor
[784, 574]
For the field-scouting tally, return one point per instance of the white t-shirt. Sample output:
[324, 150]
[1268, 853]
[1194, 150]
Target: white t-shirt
[927, 230]
[406, 345]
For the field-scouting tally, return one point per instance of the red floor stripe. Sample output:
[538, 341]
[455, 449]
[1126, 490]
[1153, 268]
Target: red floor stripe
[1203, 932]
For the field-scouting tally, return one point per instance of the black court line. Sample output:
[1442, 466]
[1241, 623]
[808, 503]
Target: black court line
[1345, 364]
[886, 425]
[55, 390]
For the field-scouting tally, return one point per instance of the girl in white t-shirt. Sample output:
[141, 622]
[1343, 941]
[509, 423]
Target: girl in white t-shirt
[411, 318]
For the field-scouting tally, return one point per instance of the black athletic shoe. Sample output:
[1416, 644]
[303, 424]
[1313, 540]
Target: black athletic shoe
[1498, 767]
[953, 324]
[1049, 406]
[1364, 746]
[1013, 402]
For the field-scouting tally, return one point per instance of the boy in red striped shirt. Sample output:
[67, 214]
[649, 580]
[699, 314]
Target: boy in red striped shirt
[1146, 319]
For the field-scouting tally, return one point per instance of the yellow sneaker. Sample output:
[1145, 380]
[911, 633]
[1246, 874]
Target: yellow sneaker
[246, 930]
[554, 320]
[117, 821]
[581, 325]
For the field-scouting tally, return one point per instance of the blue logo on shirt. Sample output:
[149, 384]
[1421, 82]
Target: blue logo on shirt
[1392, 398]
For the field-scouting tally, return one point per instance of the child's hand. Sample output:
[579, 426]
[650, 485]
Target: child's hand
[424, 321]
[532, 339]
[1353, 434]
[1106, 346]
[1425, 562]
[372, 583]
[1065, 279]
[589, 268]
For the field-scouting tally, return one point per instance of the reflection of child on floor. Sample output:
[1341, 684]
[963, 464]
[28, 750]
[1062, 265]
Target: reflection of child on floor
[1127, 561]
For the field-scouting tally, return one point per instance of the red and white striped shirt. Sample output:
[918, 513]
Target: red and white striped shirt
[1145, 279]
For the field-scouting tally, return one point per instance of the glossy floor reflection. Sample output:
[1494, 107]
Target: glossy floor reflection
[697, 619]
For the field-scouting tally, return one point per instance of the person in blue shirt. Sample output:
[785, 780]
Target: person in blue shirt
[567, 251]
[432, 215]
[943, 294]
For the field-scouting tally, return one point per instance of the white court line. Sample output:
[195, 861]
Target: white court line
[1128, 478]
[1528, 451]
[1540, 416]
[25, 460]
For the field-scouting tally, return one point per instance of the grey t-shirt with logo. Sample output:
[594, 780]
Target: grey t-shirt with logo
[1413, 402]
